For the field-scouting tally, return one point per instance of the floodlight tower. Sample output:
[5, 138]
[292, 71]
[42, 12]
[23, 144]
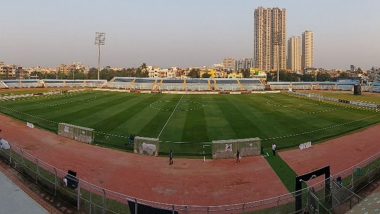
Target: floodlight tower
[278, 42]
[100, 39]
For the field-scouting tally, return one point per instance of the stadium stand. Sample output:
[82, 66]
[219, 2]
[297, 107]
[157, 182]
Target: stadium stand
[144, 83]
[75, 83]
[376, 87]
[54, 83]
[191, 84]
[29, 83]
[343, 85]
[198, 85]
[251, 85]
[227, 85]
[95, 83]
[280, 85]
[347, 85]
[325, 86]
[172, 85]
[121, 83]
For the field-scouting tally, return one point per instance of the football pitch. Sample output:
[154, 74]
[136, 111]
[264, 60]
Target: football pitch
[188, 123]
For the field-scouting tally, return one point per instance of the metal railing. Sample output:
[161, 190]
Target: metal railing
[90, 198]
[351, 103]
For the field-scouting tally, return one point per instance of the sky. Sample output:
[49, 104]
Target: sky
[184, 33]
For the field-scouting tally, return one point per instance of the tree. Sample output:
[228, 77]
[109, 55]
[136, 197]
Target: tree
[307, 78]
[141, 71]
[206, 75]
[39, 74]
[194, 73]
[246, 73]
[323, 77]
[92, 73]
[344, 75]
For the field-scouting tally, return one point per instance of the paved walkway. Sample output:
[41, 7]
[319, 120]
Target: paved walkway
[370, 204]
[14, 200]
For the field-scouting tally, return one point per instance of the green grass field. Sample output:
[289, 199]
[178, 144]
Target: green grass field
[185, 123]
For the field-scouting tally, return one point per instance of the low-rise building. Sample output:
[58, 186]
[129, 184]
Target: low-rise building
[229, 64]
[8, 71]
[374, 74]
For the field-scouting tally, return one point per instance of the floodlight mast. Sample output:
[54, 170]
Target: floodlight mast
[278, 42]
[100, 39]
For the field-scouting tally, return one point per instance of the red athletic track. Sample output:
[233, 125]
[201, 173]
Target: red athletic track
[340, 153]
[187, 182]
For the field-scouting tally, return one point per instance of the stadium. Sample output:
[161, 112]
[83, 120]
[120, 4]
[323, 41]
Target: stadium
[204, 123]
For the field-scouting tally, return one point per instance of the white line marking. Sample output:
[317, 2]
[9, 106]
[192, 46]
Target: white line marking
[175, 108]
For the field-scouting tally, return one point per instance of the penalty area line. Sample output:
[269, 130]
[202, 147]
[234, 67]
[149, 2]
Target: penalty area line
[175, 108]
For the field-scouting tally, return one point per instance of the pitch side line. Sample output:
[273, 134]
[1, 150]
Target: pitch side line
[175, 108]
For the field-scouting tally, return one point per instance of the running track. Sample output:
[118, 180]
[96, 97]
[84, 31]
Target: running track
[187, 182]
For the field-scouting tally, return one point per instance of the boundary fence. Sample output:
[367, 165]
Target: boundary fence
[90, 198]
[356, 104]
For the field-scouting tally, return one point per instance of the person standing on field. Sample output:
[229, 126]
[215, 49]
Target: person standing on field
[274, 147]
[237, 156]
[171, 157]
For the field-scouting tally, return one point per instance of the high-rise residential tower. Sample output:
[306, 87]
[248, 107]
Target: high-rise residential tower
[307, 50]
[294, 54]
[270, 38]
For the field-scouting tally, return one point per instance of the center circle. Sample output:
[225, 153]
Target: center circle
[170, 105]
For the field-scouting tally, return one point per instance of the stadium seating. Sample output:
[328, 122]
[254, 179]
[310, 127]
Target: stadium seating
[121, 82]
[376, 87]
[29, 83]
[144, 83]
[325, 86]
[197, 85]
[279, 85]
[345, 85]
[172, 85]
[73, 83]
[191, 84]
[302, 85]
[54, 83]
[251, 85]
[95, 83]
[227, 85]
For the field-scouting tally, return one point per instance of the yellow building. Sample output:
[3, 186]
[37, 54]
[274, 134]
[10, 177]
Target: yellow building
[256, 73]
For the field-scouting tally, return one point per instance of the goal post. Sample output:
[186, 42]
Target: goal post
[146, 146]
[78, 133]
[222, 149]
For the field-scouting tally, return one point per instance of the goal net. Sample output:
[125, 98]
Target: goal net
[78, 133]
[146, 146]
[228, 148]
